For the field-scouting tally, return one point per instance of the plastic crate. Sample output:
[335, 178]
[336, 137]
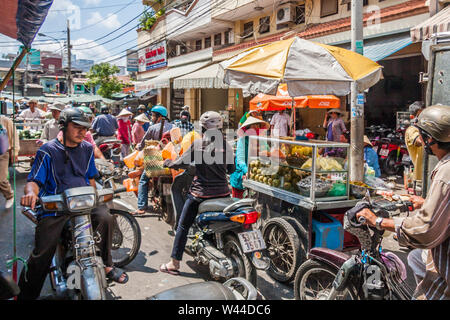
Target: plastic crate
[350, 241]
[328, 232]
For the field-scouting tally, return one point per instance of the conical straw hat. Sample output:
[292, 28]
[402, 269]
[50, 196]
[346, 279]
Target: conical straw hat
[142, 117]
[124, 113]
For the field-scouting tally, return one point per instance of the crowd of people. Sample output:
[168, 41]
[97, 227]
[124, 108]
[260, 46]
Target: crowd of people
[72, 135]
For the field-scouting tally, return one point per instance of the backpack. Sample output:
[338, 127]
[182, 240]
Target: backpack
[4, 139]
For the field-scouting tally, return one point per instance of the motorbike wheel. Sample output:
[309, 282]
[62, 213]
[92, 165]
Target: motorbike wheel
[242, 266]
[283, 246]
[314, 281]
[126, 238]
[389, 164]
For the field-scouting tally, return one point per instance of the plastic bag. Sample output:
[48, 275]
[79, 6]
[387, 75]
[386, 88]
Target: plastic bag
[139, 160]
[129, 159]
[175, 135]
[131, 184]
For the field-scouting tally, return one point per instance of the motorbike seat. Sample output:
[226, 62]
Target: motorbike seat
[210, 290]
[215, 205]
[111, 141]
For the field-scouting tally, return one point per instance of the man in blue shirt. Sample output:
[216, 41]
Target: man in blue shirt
[62, 163]
[105, 125]
[371, 157]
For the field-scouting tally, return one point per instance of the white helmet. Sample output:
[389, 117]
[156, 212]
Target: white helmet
[211, 120]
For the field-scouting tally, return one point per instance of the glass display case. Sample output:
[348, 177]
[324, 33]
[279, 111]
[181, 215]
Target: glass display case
[312, 171]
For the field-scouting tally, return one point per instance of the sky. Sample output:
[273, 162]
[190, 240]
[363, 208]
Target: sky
[90, 21]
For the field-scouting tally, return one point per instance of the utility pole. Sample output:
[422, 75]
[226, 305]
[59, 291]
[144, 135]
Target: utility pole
[357, 99]
[69, 61]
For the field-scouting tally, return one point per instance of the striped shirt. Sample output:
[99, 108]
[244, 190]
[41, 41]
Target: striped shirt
[429, 229]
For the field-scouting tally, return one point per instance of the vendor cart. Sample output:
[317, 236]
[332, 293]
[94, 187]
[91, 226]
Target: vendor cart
[299, 186]
[29, 134]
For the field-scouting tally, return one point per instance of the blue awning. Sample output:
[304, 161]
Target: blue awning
[380, 48]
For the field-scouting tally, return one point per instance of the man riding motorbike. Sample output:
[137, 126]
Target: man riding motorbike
[63, 163]
[213, 159]
[429, 227]
[154, 132]
[105, 125]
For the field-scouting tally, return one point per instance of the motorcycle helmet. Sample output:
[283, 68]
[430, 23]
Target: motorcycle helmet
[160, 110]
[142, 107]
[211, 120]
[104, 109]
[435, 122]
[73, 115]
[87, 111]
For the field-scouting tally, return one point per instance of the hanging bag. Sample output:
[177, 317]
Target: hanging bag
[153, 160]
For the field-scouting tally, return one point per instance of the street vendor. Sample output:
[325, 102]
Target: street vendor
[32, 113]
[51, 127]
[251, 113]
[252, 126]
[280, 124]
[334, 125]
[124, 131]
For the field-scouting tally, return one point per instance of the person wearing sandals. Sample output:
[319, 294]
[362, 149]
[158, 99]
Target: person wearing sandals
[63, 163]
[213, 158]
[251, 126]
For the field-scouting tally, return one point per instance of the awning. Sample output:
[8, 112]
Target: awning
[377, 49]
[440, 22]
[142, 93]
[163, 80]
[205, 78]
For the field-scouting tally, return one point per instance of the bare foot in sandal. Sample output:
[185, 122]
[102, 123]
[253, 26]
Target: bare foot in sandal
[170, 267]
[138, 212]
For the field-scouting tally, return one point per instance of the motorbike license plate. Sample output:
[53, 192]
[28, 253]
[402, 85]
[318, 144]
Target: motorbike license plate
[406, 158]
[384, 152]
[166, 189]
[251, 241]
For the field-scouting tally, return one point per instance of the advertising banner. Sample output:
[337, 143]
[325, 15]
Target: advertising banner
[153, 57]
[132, 61]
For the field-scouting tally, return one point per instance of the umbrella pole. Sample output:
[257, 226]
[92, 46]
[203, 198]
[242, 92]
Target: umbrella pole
[293, 110]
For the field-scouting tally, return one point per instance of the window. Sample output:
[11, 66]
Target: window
[208, 42]
[328, 7]
[264, 25]
[300, 14]
[218, 39]
[248, 29]
[51, 67]
[198, 45]
[226, 37]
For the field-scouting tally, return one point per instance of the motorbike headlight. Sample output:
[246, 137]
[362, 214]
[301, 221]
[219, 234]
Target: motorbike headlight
[79, 203]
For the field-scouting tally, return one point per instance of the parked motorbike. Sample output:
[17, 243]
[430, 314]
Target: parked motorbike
[232, 289]
[77, 271]
[371, 274]
[127, 233]
[222, 235]
[111, 150]
[8, 287]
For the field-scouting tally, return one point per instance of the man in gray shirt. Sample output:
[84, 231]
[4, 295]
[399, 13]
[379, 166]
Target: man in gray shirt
[51, 127]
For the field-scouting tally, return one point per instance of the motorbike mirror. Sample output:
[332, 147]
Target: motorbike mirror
[8, 288]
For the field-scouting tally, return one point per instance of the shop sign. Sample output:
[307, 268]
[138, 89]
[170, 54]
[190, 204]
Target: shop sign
[132, 60]
[153, 57]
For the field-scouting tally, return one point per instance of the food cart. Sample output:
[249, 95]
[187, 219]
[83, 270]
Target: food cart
[297, 190]
[29, 132]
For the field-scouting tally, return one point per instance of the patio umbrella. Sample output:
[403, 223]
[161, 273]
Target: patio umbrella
[282, 100]
[308, 68]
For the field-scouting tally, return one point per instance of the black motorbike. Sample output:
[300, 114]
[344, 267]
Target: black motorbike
[222, 235]
[371, 274]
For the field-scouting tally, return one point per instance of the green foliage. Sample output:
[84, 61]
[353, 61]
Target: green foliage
[149, 18]
[103, 74]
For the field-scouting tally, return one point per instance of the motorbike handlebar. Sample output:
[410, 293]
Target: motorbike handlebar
[120, 190]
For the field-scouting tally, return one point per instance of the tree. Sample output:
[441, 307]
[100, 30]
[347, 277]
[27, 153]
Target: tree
[103, 74]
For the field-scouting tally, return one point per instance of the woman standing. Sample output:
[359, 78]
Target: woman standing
[251, 126]
[124, 131]
[334, 125]
[137, 131]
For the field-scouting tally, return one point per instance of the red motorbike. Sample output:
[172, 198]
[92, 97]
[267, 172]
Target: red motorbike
[111, 150]
[393, 153]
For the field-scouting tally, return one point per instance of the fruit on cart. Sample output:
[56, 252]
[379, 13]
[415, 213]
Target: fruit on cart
[326, 164]
[277, 153]
[301, 151]
[29, 134]
[276, 182]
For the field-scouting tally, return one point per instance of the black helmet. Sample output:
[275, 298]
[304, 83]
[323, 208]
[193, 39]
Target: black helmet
[74, 115]
[104, 109]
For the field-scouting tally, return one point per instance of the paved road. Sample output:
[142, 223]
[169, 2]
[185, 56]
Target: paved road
[145, 279]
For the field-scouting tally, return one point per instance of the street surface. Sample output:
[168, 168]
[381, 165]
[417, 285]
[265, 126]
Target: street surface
[145, 279]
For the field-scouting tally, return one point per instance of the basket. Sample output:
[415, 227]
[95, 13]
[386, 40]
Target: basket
[153, 160]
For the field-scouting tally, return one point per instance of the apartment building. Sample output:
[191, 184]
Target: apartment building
[198, 34]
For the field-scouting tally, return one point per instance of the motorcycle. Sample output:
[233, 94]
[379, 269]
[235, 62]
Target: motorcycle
[127, 233]
[393, 153]
[232, 289]
[111, 150]
[76, 271]
[222, 235]
[371, 274]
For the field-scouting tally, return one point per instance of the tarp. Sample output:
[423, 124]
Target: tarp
[205, 78]
[308, 68]
[282, 100]
[440, 22]
[22, 19]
